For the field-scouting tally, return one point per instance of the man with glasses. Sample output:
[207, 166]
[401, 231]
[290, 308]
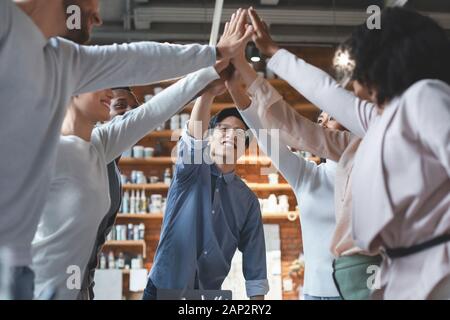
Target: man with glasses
[210, 211]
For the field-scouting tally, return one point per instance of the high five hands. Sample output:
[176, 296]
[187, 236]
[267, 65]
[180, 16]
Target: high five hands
[261, 36]
[238, 33]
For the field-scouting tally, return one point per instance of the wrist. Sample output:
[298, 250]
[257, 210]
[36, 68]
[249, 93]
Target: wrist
[207, 96]
[239, 62]
[272, 50]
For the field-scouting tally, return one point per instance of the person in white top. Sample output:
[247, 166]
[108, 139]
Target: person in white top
[39, 74]
[401, 173]
[79, 198]
[313, 184]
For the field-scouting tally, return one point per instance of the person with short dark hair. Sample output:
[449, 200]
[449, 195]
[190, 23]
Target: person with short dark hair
[210, 211]
[123, 100]
[349, 267]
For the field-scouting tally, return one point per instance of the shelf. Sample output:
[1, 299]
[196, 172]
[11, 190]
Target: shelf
[125, 243]
[253, 186]
[165, 133]
[128, 243]
[169, 160]
[147, 161]
[159, 216]
[140, 216]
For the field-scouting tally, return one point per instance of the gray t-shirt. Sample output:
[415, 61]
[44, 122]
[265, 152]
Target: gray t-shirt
[38, 77]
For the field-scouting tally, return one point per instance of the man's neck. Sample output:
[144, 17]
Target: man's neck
[76, 125]
[47, 16]
[225, 168]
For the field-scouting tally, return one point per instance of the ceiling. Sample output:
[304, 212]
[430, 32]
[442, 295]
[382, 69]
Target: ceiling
[318, 22]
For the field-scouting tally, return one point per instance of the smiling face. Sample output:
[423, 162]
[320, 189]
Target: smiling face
[122, 102]
[228, 140]
[326, 121]
[94, 106]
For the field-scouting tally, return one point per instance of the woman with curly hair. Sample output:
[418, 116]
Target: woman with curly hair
[400, 185]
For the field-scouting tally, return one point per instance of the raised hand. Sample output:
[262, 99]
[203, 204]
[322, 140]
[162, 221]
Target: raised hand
[261, 36]
[236, 35]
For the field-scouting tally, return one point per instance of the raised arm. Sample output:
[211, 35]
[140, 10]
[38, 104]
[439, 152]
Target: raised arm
[100, 67]
[273, 112]
[292, 167]
[123, 132]
[314, 84]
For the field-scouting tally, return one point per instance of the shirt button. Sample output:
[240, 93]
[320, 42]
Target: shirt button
[213, 212]
[206, 253]
[217, 190]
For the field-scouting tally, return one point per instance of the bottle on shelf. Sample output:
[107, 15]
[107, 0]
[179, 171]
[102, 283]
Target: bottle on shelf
[133, 202]
[136, 232]
[141, 231]
[126, 202]
[130, 233]
[103, 261]
[167, 177]
[111, 260]
[121, 261]
[143, 202]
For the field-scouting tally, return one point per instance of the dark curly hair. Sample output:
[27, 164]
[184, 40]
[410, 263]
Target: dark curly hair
[409, 47]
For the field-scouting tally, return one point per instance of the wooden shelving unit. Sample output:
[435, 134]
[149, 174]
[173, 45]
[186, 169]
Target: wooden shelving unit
[170, 160]
[253, 186]
[155, 166]
[160, 216]
[128, 244]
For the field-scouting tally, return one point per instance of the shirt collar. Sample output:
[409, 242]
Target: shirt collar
[227, 177]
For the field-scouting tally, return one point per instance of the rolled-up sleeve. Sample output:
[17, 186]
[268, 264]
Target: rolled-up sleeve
[253, 248]
[191, 153]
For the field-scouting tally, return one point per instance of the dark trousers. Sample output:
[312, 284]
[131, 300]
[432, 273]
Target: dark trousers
[150, 291]
[22, 286]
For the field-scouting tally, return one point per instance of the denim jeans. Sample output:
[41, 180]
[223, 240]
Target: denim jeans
[22, 286]
[308, 297]
[150, 291]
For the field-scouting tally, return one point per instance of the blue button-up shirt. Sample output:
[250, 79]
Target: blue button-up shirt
[199, 237]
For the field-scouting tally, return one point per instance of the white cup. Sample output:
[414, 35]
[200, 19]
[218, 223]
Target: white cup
[156, 199]
[149, 152]
[138, 152]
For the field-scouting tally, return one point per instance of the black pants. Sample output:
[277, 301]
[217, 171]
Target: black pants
[150, 291]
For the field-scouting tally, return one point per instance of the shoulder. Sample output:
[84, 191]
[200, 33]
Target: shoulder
[426, 89]
[424, 99]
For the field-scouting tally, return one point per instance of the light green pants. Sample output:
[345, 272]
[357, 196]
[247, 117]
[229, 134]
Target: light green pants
[351, 275]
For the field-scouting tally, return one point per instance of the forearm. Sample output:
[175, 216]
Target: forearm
[200, 116]
[295, 130]
[246, 71]
[324, 92]
[123, 133]
[100, 67]
[239, 95]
